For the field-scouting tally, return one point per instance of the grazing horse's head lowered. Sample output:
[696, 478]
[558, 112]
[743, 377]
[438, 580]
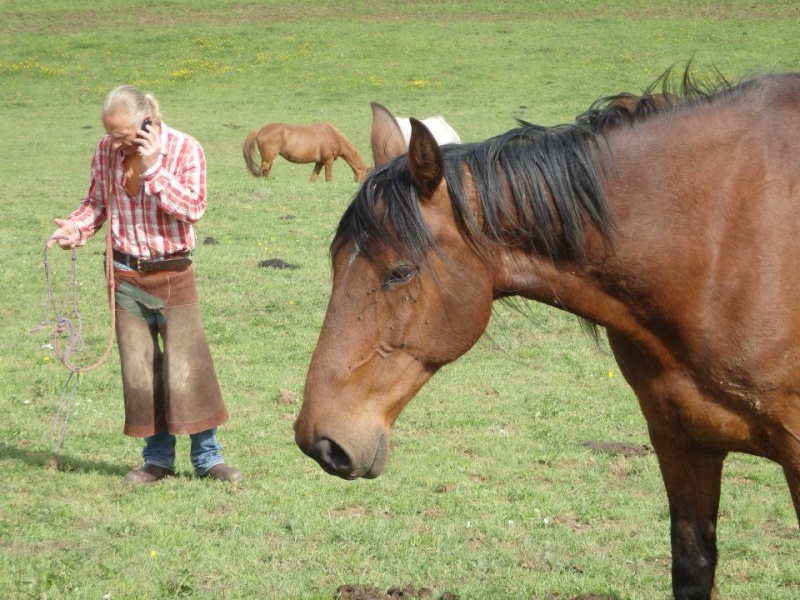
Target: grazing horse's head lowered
[672, 223]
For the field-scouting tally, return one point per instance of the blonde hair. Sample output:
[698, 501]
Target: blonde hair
[131, 101]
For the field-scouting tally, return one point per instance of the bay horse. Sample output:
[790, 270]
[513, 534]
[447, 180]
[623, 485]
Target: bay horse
[390, 135]
[677, 231]
[320, 143]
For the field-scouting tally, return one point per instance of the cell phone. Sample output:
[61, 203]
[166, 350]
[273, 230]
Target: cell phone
[146, 123]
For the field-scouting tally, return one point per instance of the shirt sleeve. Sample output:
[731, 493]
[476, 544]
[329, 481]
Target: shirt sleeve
[179, 182]
[91, 213]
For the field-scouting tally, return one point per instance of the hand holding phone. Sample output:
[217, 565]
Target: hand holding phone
[149, 143]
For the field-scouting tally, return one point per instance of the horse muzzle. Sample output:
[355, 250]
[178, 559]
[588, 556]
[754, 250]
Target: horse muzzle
[336, 460]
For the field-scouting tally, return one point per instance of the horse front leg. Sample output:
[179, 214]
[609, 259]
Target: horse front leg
[692, 479]
[315, 173]
[328, 169]
[790, 459]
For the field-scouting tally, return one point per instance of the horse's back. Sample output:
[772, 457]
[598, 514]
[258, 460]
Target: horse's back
[317, 142]
[441, 130]
[780, 91]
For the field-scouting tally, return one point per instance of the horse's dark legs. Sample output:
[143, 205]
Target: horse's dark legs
[315, 173]
[790, 461]
[692, 479]
[793, 479]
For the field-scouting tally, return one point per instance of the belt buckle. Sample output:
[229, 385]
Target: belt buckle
[139, 264]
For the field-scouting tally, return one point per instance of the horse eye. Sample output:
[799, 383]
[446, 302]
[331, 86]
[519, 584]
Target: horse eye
[401, 274]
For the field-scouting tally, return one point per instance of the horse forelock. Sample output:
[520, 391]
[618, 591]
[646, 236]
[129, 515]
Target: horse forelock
[385, 213]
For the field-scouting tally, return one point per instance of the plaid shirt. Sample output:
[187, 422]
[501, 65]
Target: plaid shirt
[158, 220]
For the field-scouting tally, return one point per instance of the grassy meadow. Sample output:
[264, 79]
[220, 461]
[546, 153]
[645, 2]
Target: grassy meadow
[491, 492]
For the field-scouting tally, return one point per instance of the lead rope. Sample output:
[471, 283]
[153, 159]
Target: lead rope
[70, 321]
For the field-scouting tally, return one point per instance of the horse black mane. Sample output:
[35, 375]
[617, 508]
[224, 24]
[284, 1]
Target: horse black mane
[550, 174]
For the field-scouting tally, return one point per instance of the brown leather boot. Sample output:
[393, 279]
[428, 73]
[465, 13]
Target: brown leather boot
[223, 472]
[148, 474]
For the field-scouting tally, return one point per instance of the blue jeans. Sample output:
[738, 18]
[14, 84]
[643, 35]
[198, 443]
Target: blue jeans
[159, 450]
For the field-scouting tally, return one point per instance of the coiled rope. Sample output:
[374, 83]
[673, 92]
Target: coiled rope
[67, 320]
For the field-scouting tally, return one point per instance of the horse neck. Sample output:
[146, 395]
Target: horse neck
[549, 272]
[349, 153]
[607, 285]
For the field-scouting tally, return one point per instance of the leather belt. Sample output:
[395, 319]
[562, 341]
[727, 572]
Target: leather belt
[173, 262]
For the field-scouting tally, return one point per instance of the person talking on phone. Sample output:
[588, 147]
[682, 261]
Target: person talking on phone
[149, 182]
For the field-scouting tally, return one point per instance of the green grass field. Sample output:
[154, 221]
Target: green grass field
[490, 492]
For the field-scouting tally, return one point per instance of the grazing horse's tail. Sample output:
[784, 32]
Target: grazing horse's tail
[247, 151]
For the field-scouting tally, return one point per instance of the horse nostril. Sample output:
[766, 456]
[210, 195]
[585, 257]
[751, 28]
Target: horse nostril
[331, 457]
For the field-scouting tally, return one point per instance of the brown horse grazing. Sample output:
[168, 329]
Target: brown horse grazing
[319, 143]
[679, 233]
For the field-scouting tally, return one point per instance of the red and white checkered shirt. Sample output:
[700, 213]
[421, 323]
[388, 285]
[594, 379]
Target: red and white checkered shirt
[158, 220]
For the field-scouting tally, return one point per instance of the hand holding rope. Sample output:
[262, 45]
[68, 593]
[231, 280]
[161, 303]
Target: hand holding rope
[72, 324]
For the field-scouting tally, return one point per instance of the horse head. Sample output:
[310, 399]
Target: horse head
[391, 322]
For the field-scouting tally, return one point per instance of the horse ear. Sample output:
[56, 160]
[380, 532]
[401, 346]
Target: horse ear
[424, 159]
[385, 135]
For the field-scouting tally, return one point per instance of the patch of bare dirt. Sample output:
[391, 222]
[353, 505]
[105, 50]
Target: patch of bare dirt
[621, 448]
[277, 263]
[583, 597]
[366, 591]
[286, 397]
[350, 591]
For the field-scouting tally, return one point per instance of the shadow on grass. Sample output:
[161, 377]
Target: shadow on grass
[60, 462]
